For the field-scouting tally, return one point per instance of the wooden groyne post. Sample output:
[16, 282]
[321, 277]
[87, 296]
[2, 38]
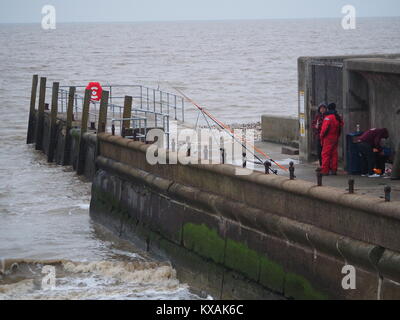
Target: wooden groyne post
[70, 113]
[80, 165]
[101, 127]
[30, 138]
[53, 122]
[127, 113]
[40, 117]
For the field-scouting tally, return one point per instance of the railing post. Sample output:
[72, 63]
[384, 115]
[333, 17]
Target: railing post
[351, 186]
[319, 177]
[126, 124]
[388, 191]
[30, 138]
[53, 122]
[101, 127]
[70, 114]
[291, 171]
[80, 165]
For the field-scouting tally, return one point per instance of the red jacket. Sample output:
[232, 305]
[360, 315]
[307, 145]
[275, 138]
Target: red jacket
[331, 127]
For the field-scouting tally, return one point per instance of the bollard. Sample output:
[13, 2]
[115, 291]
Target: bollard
[351, 186]
[222, 150]
[267, 166]
[92, 125]
[388, 191]
[113, 129]
[319, 177]
[291, 170]
[244, 160]
[189, 150]
[46, 106]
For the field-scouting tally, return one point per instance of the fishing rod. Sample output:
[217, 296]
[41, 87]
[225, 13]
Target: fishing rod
[232, 134]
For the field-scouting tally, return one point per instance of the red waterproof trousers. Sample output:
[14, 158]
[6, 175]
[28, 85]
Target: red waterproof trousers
[330, 133]
[329, 155]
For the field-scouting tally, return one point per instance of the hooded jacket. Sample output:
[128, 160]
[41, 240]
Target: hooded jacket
[374, 136]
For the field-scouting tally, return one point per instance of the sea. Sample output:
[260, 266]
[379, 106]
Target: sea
[238, 70]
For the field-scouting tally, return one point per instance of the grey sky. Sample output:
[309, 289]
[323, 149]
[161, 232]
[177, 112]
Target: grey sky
[165, 10]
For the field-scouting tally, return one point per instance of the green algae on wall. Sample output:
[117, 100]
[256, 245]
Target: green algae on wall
[239, 257]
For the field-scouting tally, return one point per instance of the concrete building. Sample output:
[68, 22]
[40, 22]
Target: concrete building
[366, 90]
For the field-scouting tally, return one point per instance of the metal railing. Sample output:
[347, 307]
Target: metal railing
[154, 106]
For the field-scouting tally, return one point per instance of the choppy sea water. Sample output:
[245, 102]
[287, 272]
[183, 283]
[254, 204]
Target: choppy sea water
[237, 69]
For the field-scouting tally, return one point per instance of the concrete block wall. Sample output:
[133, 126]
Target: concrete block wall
[283, 130]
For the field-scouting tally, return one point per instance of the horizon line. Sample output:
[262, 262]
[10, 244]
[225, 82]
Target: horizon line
[203, 20]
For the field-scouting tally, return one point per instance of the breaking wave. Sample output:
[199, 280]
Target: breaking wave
[23, 279]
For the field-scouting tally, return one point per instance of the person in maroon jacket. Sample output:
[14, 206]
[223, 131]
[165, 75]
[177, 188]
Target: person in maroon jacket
[369, 145]
[330, 133]
[317, 126]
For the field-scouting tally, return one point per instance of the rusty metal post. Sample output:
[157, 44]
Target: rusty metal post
[319, 177]
[267, 166]
[388, 191]
[101, 127]
[351, 186]
[53, 122]
[30, 138]
[40, 115]
[127, 114]
[80, 165]
[291, 171]
[70, 116]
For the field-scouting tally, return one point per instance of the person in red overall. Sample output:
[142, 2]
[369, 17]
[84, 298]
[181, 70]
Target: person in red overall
[330, 133]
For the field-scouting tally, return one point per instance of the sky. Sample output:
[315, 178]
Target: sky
[29, 11]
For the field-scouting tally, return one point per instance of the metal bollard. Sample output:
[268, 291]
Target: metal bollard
[388, 191]
[113, 129]
[244, 160]
[319, 177]
[291, 170]
[351, 186]
[267, 166]
[222, 155]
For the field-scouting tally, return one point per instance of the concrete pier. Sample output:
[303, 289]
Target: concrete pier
[254, 236]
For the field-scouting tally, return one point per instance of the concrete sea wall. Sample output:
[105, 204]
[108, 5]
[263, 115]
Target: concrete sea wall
[250, 236]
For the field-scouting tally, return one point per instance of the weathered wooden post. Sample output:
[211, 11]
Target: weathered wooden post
[70, 114]
[53, 122]
[101, 127]
[126, 124]
[80, 164]
[40, 115]
[30, 138]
